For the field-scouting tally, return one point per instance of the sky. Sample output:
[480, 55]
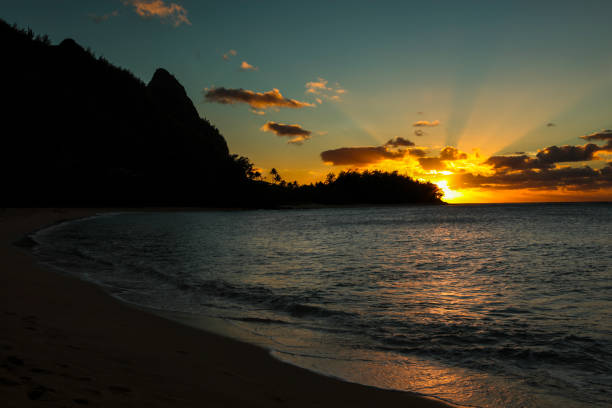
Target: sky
[494, 101]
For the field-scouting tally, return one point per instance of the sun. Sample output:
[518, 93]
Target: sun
[449, 195]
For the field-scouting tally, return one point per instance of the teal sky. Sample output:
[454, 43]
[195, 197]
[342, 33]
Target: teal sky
[493, 73]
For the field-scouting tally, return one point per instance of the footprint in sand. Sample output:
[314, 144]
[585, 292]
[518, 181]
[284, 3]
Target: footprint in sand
[41, 371]
[13, 361]
[36, 392]
[8, 382]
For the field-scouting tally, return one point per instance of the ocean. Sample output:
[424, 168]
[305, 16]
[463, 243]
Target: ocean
[479, 305]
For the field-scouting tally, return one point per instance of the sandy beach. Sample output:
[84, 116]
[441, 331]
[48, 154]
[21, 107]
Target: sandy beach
[64, 342]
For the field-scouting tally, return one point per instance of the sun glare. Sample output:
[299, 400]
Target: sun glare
[449, 195]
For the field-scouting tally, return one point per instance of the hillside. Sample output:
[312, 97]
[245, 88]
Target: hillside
[80, 131]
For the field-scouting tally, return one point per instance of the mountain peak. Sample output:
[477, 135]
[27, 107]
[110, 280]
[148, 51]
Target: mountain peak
[171, 96]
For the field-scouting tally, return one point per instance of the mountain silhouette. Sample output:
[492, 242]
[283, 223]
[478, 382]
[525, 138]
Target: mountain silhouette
[79, 131]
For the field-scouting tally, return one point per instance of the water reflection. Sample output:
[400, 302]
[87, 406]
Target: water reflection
[488, 305]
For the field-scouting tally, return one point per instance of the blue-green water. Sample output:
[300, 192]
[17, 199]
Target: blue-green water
[485, 305]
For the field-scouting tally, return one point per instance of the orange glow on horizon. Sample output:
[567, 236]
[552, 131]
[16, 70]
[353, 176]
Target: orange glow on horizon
[450, 196]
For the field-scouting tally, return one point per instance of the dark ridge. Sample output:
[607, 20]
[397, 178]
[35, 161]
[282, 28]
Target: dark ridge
[79, 131]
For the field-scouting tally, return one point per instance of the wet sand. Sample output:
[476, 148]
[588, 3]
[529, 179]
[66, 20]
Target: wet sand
[65, 343]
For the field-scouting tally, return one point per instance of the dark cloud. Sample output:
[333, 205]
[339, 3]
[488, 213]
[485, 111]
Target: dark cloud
[363, 156]
[541, 172]
[419, 132]
[360, 156]
[604, 135]
[439, 163]
[417, 152]
[399, 141]
[432, 163]
[451, 153]
[257, 100]
[545, 158]
[297, 134]
[570, 178]
[509, 163]
[554, 154]
[285, 130]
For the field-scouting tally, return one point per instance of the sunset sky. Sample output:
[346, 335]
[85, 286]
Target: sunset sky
[494, 101]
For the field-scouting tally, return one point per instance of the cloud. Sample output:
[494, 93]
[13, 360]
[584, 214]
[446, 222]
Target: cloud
[296, 133]
[451, 153]
[604, 135]
[554, 154]
[229, 54]
[426, 123]
[447, 154]
[316, 87]
[360, 156]
[366, 155]
[172, 12]
[569, 178]
[256, 100]
[100, 19]
[546, 158]
[322, 90]
[510, 163]
[419, 132]
[417, 152]
[522, 171]
[245, 66]
[399, 141]
[432, 163]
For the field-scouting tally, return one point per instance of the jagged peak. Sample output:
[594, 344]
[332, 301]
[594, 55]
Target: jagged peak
[171, 96]
[165, 80]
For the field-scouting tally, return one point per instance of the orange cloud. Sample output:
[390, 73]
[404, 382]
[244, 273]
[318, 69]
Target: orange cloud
[323, 91]
[245, 66]
[173, 12]
[423, 123]
[229, 54]
[256, 100]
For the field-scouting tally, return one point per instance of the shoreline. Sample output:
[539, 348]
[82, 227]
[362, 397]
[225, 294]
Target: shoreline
[68, 343]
